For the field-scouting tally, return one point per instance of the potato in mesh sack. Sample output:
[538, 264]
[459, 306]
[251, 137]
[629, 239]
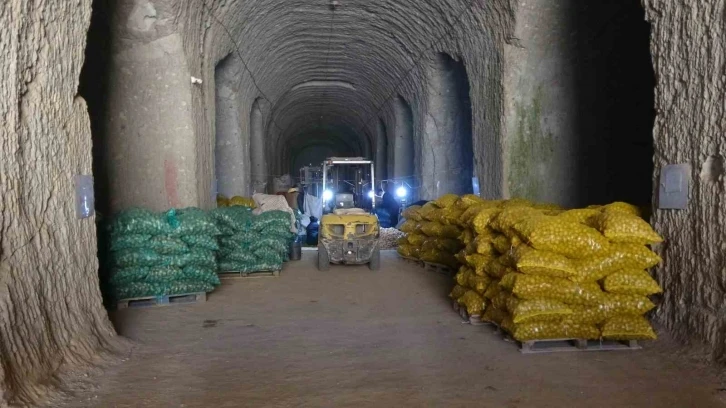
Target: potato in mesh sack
[448, 245]
[136, 257]
[494, 315]
[416, 239]
[439, 257]
[516, 202]
[478, 262]
[468, 215]
[408, 251]
[493, 290]
[631, 282]
[623, 227]
[473, 302]
[582, 215]
[484, 246]
[139, 221]
[533, 262]
[499, 267]
[412, 213]
[451, 216]
[409, 227]
[478, 284]
[616, 257]
[620, 206]
[626, 304]
[201, 242]
[457, 292]
[129, 241]
[165, 245]
[543, 330]
[501, 243]
[628, 328]
[531, 287]
[507, 218]
[446, 200]
[191, 221]
[462, 277]
[434, 229]
[467, 236]
[467, 200]
[523, 310]
[483, 218]
[242, 201]
[143, 289]
[499, 301]
[564, 237]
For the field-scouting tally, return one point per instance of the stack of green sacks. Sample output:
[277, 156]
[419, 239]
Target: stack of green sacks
[252, 243]
[157, 254]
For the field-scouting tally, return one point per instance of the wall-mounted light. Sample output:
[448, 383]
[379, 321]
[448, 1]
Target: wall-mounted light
[334, 4]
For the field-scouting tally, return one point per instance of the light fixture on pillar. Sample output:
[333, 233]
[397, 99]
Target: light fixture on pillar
[334, 4]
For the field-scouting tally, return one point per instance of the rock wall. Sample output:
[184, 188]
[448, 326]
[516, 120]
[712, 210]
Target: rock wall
[50, 304]
[687, 44]
[579, 103]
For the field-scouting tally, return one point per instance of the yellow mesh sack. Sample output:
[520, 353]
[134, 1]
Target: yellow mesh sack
[409, 226]
[478, 262]
[498, 268]
[480, 222]
[467, 200]
[493, 290]
[462, 277]
[467, 236]
[534, 262]
[402, 241]
[452, 215]
[631, 282]
[622, 207]
[616, 257]
[523, 310]
[544, 330]
[457, 292]
[412, 213]
[531, 287]
[446, 200]
[461, 256]
[434, 229]
[484, 246]
[591, 315]
[501, 243]
[425, 209]
[623, 227]
[628, 328]
[242, 201]
[222, 201]
[451, 246]
[617, 304]
[408, 251]
[479, 284]
[473, 302]
[468, 215]
[581, 215]
[416, 239]
[494, 315]
[561, 236]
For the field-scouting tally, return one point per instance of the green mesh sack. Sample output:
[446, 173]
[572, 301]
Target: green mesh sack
[123, 276]
[144, 289]
[139, 221]
[201, 242]
[196, 257]
[163, 274]
[271, 220]
[269, 256]
[165, 245]
[201, 274]
[191, 221]
[129, 241]
[136, 257]
[269, 243]
[234, 266]
[238, 241]
[241, 256]
[231, 220]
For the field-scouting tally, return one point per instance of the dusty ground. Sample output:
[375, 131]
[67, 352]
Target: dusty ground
[352, 337]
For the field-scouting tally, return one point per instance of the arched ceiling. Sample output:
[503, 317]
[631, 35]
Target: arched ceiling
[320, 65]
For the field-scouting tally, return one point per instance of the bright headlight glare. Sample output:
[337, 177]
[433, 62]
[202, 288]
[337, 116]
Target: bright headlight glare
[401, 192]
[327, 195]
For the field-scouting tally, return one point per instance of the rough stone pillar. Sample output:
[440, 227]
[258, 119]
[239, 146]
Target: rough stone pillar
[150, 133]
[402, 146]
[50, 304]
[381, 156]
[446, 157]
[257, 149]
[232, 153]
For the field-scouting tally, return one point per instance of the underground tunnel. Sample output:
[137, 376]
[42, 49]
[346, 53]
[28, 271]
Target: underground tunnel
[170, 105]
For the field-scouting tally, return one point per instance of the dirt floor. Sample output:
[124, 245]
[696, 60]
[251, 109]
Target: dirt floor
[352, 337]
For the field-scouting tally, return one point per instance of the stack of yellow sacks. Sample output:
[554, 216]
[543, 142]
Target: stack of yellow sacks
[223, 201]
[544, 273]
[432, 231]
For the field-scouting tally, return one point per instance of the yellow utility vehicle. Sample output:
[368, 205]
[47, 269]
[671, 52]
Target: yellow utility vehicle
[349, 234]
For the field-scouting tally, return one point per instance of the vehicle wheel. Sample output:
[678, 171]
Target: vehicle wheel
[375, 263]
[323, 259]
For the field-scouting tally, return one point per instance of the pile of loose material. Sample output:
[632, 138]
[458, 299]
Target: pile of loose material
[250, 242]
[541, 272]
[390, 237]
[156, 254]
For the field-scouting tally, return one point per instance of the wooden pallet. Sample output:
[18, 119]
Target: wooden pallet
[165, 300]
[561, 345]
[412, 260]
[237, 274]
[442, 269]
